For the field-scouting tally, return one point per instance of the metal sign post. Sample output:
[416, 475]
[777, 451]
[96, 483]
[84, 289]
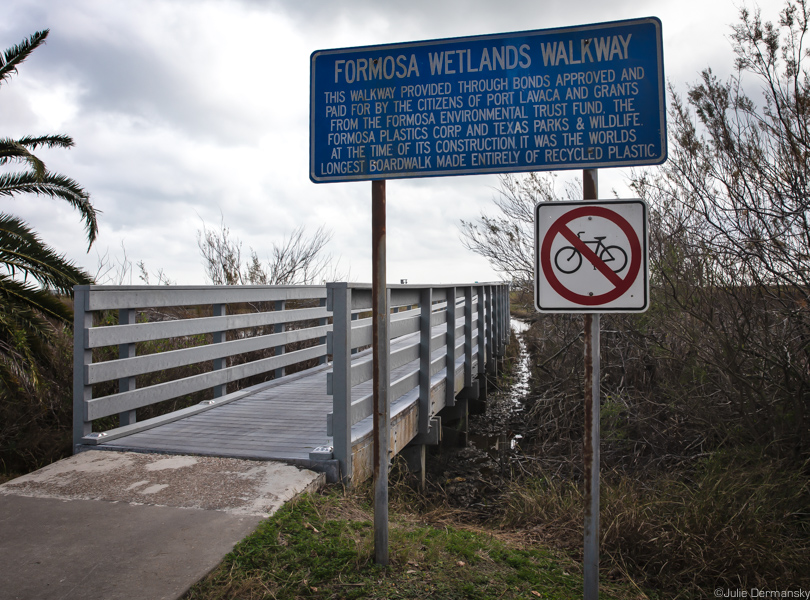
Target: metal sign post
[590, 454]
[591, 258]
[381, 409]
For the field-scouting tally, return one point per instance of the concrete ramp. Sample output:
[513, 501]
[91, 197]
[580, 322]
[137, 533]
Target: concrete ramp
[128, 525]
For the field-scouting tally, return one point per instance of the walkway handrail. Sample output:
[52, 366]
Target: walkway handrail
[262, 325]
[135, 346]
[477, 325]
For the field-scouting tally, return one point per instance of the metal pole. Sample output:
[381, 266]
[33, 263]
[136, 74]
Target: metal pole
[591, 456]
[590, 184]
[379, 334]
[591, 441]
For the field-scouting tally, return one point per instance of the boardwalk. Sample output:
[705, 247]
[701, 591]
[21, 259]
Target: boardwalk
[291, 417]
[284, 419]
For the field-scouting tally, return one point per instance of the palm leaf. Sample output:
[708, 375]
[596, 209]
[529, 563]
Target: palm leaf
[15, 55]
[21, 148]
[25, 337]
[12, 150]
[22, 250]
[29, 310]
[55, 186]
[59, 140]
[26, 303]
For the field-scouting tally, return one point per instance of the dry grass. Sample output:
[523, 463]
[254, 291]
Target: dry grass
[738, 520]
[706, 473]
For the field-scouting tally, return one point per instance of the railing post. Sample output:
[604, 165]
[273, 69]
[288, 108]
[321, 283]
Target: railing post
[482, 340]
[322, 322]
[426, 304]
[507, 313]
[498, 321]
[501, 322]
[468, 342]
[339, 301]
[279, 328]
[220, 310]
[490, 331]
[505, 318]
[355, 317]
[82, 321]
[126, 316]
[450, 398]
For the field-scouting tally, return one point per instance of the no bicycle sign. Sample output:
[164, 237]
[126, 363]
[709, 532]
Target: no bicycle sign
[591, 256]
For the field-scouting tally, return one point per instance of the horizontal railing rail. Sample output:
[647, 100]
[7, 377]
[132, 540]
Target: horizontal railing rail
[146, 331]
[402, 355]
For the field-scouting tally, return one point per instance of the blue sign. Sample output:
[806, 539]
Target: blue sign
[572, 98]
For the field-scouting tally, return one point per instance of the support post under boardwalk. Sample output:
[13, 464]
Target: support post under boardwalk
[591, 441]
[379, 333]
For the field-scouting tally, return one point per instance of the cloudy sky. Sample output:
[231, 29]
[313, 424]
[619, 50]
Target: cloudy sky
[188, 111]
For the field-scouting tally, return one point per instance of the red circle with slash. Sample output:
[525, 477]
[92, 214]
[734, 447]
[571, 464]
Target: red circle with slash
[621, 285]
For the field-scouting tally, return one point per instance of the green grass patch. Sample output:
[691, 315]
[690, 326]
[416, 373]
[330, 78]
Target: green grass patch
[321, 546]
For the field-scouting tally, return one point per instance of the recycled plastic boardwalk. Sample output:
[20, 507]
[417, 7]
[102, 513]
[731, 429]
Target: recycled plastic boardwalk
[284, 419]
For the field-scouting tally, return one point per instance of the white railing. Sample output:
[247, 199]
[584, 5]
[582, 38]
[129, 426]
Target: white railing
[143, 336]
[204, 332]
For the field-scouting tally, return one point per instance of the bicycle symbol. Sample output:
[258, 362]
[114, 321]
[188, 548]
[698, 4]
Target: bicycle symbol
[607, 254]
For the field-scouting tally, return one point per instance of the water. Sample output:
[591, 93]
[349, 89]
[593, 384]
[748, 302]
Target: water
[507, 405]
[520, 384]
[519, 326]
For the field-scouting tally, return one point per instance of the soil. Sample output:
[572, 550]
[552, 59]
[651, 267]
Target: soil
[471, 477]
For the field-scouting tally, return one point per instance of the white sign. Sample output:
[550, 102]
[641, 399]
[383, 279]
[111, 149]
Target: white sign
[591, 256]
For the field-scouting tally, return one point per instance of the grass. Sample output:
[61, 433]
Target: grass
[321, 546]
[738, 520]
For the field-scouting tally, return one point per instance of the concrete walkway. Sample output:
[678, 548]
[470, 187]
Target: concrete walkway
[122, 525]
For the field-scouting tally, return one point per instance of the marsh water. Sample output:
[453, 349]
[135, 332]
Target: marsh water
[500, 427]
[469, 477]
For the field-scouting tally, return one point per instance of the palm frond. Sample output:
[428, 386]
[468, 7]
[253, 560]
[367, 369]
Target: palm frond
[26, 303]
[13, 376]
[21, 250]
[55, 186]
[31, 312]
[15, 55]
[25, 337]
[12, 150]
[59, 140]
